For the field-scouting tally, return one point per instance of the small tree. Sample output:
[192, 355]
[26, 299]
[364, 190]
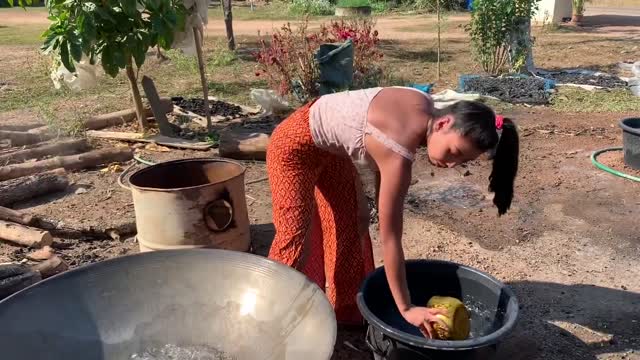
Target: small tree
[501, 34]
[118, 32]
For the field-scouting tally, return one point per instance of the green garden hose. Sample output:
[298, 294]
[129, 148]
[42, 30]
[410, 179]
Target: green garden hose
[143, 161]
[601, 166]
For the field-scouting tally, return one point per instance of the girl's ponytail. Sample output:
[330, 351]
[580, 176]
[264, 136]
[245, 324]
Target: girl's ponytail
[505, 167]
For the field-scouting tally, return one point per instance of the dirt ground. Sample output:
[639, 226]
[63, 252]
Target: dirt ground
[569, 246]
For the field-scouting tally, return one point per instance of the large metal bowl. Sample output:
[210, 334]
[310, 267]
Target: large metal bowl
[238, 303]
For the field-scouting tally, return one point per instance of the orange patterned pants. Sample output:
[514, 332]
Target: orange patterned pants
[315, 213]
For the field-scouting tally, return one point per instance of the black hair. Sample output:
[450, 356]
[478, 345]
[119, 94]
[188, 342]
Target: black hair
[477, 121]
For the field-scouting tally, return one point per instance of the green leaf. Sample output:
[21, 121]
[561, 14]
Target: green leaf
[119, 56]
[49, 42]
[139, 54]
[75, 49]
[64, 56]
[108, 63]
[104, 14]
[129, 7]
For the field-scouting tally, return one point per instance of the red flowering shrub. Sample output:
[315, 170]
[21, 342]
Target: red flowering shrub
[288, 62]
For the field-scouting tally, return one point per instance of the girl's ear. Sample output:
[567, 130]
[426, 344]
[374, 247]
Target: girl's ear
[443, 123]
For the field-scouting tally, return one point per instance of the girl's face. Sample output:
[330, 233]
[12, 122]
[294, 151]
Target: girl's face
[446, 147]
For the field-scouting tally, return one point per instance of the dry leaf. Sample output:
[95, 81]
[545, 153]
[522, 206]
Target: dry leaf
[112, 168]
[157, 148]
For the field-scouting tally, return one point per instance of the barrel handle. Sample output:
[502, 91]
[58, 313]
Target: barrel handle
[218, 215]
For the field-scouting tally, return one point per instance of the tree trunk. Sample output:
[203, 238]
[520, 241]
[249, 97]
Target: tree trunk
[521, 43]
[24, 235]
[71, 162]
[439, 36]
[29, 187]
[137, 100]
[203, 77]
[228, 23]
[66, 147]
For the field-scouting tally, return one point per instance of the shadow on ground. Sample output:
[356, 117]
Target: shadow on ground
[611, 20]
[572, 322]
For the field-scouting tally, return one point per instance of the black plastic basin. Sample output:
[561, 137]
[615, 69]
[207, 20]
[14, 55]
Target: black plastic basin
[631, 142]
[493, 307]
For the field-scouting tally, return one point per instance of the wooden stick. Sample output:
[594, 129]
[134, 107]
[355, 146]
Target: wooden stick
[228, 24]
[24, 235]
[65, 147]
[25, 188]
[123, 116]
[51, 266]
[243, 145]
[203, 77]
[19, 217]
[157, 139]
[70, 162]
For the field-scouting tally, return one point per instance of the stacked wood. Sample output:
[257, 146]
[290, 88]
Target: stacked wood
[70, 162]
[25, 188]
[15, 216]
[124, 116]
[20, 127]
[65, 147]
[244, 144]
[52, 266]
[19, 138]
[24, 235]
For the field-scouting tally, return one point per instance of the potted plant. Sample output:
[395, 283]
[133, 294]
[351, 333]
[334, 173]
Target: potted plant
[578, 12]
[353, 8]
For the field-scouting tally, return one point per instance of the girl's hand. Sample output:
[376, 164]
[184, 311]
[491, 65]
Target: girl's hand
[423, 318]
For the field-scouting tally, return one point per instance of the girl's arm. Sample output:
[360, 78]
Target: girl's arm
[395, 178]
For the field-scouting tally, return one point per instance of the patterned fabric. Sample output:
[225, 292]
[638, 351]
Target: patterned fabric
[315, 213]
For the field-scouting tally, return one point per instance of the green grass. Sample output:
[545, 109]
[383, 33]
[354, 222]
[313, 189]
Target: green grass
[353, 3]
[21, 34]
[569, 99]
[277, 10]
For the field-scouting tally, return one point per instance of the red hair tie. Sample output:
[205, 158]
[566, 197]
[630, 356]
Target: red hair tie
[499, 122]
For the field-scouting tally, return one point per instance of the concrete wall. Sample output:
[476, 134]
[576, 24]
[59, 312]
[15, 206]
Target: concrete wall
[552, 11]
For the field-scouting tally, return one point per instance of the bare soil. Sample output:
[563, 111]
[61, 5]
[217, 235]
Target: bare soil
[615, 160]
[569, 246]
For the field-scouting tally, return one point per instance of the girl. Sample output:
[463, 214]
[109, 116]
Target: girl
[321, 228]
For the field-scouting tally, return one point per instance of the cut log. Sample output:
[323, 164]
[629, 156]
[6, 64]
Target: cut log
[15, 277]
[70, 162]
[50, 267]
[25, 188]
[65, 147]
[41, 254]
[124, 116]
[20, 127]
[19, 217]
[19, 138]
[244, 144]
[24, 235]
[156, 106]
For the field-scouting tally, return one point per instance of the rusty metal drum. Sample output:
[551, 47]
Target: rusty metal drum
[191, 203]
